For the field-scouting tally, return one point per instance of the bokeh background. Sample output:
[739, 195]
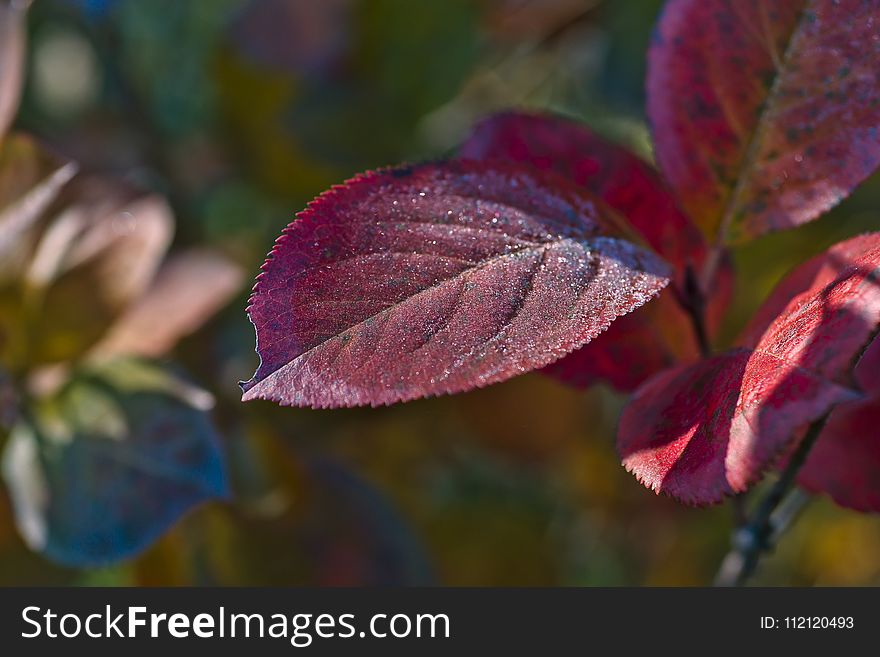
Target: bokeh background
[239, 112]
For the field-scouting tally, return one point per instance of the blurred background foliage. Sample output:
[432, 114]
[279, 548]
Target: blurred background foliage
[239, 112]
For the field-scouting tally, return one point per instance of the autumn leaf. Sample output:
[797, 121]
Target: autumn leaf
[702, 431]
[624, 181]
[845, 461]
[660, 334]
[436, 279]
[630, 351]
[812, 275]
[764, 115]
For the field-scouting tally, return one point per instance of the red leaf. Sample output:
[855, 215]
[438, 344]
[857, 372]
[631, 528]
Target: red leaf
[653, 337]
[436, 279]
[845, 461]
[703, 431]
[624, 181]
[700, 432]
[809, 277]
[764, 115]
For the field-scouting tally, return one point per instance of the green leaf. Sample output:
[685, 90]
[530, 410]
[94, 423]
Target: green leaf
[101, 469]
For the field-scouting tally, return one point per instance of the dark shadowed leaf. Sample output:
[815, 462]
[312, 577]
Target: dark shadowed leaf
[375, 547]
[703, 431]
[105, 466]
[654, 337]
[764, 114]
[845, 461]
[436, 279]
[280, 528]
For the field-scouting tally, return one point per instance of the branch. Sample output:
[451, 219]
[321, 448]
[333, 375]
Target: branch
[757, 536]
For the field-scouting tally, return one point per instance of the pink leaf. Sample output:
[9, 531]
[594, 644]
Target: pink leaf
[187, 291]
[707, 430]
[764, 115]
[436, 279]
[700, 432]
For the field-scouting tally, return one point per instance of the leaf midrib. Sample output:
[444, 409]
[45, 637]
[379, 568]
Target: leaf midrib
[751, 152]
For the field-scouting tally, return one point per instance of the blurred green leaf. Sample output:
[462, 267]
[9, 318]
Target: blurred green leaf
[99, 471]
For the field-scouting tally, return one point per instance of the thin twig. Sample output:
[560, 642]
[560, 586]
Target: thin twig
[740, 510]
[788, 512]
[758, 536]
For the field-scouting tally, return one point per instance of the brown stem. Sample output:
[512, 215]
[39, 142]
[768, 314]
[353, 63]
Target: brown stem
[757, 536]
[693, 300]
[711, 265]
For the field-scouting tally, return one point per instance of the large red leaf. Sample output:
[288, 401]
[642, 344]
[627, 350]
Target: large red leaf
[764, 114]
[436, 279]
[660, 334]
[845, 461]
[703, 431]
